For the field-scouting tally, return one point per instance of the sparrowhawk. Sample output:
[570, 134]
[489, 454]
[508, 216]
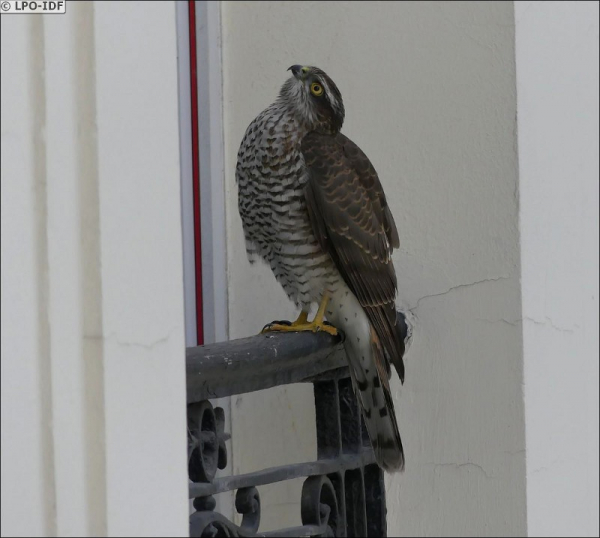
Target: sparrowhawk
[314, 210]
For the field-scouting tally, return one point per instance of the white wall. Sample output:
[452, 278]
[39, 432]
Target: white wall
[93, 378]
[429, 90]
[93, 392]
[557, 87]
[26, 437]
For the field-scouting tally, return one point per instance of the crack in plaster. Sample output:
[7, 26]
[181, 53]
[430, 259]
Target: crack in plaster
[458, 286]
[514, 323]
[544, 468]
[547, 323]
[461, 466]
[115, 337]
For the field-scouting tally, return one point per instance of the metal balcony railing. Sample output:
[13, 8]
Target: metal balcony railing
[343, 494]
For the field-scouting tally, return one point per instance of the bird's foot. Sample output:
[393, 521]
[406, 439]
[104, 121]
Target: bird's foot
[300, 325]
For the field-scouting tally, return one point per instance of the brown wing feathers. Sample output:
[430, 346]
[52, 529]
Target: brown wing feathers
[369, 178]
[351, 220]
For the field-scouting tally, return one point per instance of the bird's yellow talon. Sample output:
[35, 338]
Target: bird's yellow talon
[302, 324]
[275, 327]
[329, 329]
[301, 327]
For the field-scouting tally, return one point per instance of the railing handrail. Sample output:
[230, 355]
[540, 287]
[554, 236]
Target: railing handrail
[259, 362]
[283, 472]
[344, 492]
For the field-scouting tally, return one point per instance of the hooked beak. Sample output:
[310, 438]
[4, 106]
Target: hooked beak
[296, 71]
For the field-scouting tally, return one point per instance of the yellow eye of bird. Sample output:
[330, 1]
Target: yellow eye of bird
[316, 89]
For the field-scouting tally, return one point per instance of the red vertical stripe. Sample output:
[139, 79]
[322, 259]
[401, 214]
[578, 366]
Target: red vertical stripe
[196, 170]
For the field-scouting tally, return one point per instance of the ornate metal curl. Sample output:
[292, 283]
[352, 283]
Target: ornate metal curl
[344, 494]
[206, 441]
[207, 453]
[247, 503]
[319, 505]
[205, 522]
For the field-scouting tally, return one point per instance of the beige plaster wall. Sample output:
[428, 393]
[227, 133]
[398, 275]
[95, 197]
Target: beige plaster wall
[429, 90]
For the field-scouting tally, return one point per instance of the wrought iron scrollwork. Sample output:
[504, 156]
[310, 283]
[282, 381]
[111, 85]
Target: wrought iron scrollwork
[319, 506]
[340, 485]
[247, 503]
[206, 441]
[343, 494]
[206, 522]
[207, 452]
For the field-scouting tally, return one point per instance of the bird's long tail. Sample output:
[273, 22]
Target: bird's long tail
[378, 411]
[370, 377]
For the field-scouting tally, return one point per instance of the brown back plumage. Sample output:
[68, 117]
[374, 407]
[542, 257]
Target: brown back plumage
[329, 231]
[351, 220]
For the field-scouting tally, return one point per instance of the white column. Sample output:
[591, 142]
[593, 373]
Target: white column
[72, 239]
[93, 352]
[141, 268]
[557, 87]
[27, 470]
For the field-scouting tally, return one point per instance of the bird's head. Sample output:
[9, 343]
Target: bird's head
[314, 98]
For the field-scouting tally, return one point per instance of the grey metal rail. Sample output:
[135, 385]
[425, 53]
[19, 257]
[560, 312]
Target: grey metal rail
[259, 362]
[344, 493]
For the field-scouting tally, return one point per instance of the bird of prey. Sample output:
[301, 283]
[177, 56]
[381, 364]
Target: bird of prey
[313, 208]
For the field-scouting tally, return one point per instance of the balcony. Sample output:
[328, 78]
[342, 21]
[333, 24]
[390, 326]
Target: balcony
[343, 494]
